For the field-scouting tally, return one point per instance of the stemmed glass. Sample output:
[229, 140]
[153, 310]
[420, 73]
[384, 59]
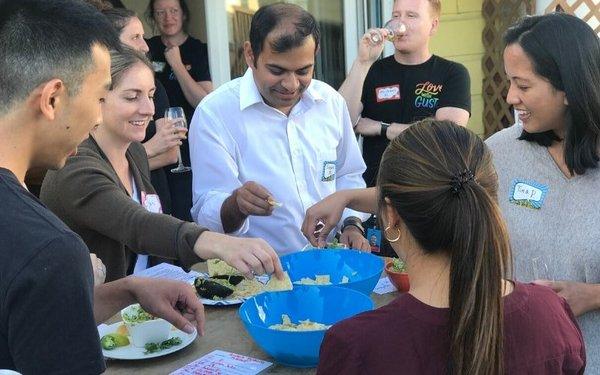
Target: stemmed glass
[395, 29]
[540, 269]
[178, 116]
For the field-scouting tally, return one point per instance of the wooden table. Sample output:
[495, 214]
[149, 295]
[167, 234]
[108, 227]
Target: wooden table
[225, 331]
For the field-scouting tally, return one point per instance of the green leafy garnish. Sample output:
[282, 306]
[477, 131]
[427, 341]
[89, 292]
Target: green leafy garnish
[137, 315]
[153, 347]
[398, 265]
[335, 244]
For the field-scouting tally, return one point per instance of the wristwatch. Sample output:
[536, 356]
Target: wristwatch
[355, 222]
[384, 128]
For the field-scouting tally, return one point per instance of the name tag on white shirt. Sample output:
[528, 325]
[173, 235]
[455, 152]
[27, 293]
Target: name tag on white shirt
[386, 93]
[328, 171]
[151, 203]
[528, 194]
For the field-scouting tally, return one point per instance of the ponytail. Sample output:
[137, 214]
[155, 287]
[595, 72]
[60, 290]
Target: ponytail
[479, 258]
[440, 179]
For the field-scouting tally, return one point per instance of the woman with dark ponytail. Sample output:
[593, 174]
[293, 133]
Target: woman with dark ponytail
[437, 201]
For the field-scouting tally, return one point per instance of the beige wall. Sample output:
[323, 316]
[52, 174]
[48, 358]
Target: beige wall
[459, 39]
[197, 24]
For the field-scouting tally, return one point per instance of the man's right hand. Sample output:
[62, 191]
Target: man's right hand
[249, 199]
[253, 199]
[368, 51]
[250, 256]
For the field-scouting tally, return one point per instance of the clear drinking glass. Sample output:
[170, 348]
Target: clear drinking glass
[178, 116]
[395, 29]
[540, 269]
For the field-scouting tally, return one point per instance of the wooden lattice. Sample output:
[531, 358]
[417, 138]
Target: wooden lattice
[587, 10]
[498, 15]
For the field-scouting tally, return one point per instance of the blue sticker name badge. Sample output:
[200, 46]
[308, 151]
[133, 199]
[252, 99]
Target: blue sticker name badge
[328, 171]
[527, 193]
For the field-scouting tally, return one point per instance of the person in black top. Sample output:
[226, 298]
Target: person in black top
[181, 64]
[55, 72]
[384, 97]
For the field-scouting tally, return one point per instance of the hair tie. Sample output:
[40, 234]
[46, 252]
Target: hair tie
[458, 181]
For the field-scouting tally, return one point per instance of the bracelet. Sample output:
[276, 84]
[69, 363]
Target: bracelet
[355, 222]
[384, 128]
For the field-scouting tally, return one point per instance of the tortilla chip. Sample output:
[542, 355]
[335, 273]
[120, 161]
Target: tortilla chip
[276, 285]
[218, 267]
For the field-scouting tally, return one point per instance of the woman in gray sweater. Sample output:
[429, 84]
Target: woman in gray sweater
[105, 195]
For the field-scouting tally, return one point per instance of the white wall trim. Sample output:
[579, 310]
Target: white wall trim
[351, 32]
[217, 37]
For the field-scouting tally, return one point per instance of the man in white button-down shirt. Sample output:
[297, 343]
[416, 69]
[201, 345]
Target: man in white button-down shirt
[268, 145]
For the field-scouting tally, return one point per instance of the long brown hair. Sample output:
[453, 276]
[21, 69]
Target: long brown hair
[440, 178]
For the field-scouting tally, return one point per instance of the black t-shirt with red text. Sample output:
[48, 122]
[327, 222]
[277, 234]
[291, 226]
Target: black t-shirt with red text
[393, 92]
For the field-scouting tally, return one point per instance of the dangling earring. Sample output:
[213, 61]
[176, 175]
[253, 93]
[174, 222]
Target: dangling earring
[386, 236]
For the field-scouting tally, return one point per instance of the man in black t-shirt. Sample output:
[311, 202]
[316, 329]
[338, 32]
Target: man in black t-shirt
[384, 97]
[55, 70]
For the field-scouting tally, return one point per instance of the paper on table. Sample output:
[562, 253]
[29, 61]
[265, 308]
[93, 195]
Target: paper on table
[169, 271]
[221, 362]
[384, 285]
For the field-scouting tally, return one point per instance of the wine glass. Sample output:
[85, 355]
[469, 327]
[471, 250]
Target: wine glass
[178, 116]
[541, 270]
[395, 29]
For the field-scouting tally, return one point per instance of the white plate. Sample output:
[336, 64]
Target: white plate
[133, 352]
[233, 301]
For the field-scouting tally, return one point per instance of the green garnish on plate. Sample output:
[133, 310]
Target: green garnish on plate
[153, 347]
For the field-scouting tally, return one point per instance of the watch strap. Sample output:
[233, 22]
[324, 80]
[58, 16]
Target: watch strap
[384, 128]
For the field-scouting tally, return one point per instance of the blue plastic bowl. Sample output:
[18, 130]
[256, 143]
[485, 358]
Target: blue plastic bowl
[321, 305]
[363, 270]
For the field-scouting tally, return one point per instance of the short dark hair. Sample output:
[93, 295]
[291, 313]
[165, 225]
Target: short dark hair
[273, 16]
[182, 5]
[119, 17]
[46, 39]
[566, 51]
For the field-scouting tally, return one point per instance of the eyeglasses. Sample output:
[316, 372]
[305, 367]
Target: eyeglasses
[163, 12]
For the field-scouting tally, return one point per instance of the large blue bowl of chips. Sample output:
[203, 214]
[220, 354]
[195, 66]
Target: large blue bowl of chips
[346, 268]
[326, 305]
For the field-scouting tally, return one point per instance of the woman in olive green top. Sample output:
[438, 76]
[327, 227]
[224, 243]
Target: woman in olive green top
[105, 195]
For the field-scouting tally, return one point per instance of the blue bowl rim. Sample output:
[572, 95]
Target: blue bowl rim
[376, 273]
[328, 287]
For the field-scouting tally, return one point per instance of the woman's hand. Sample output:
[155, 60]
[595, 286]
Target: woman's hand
[250, 256]
[322, 217]
[166, 139]
[581, 297]
[99, 269]
[173, 56]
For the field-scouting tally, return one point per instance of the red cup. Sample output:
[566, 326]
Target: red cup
[399, 279]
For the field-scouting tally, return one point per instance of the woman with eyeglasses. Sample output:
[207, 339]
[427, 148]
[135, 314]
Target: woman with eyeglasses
[180, 63]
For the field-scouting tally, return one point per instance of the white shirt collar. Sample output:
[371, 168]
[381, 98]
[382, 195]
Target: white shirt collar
[249, 94]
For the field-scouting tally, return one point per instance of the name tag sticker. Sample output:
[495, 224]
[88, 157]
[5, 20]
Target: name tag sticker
[151, 203]
[386, 93]
[528, 194]
[159, 66]
[328, 171]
